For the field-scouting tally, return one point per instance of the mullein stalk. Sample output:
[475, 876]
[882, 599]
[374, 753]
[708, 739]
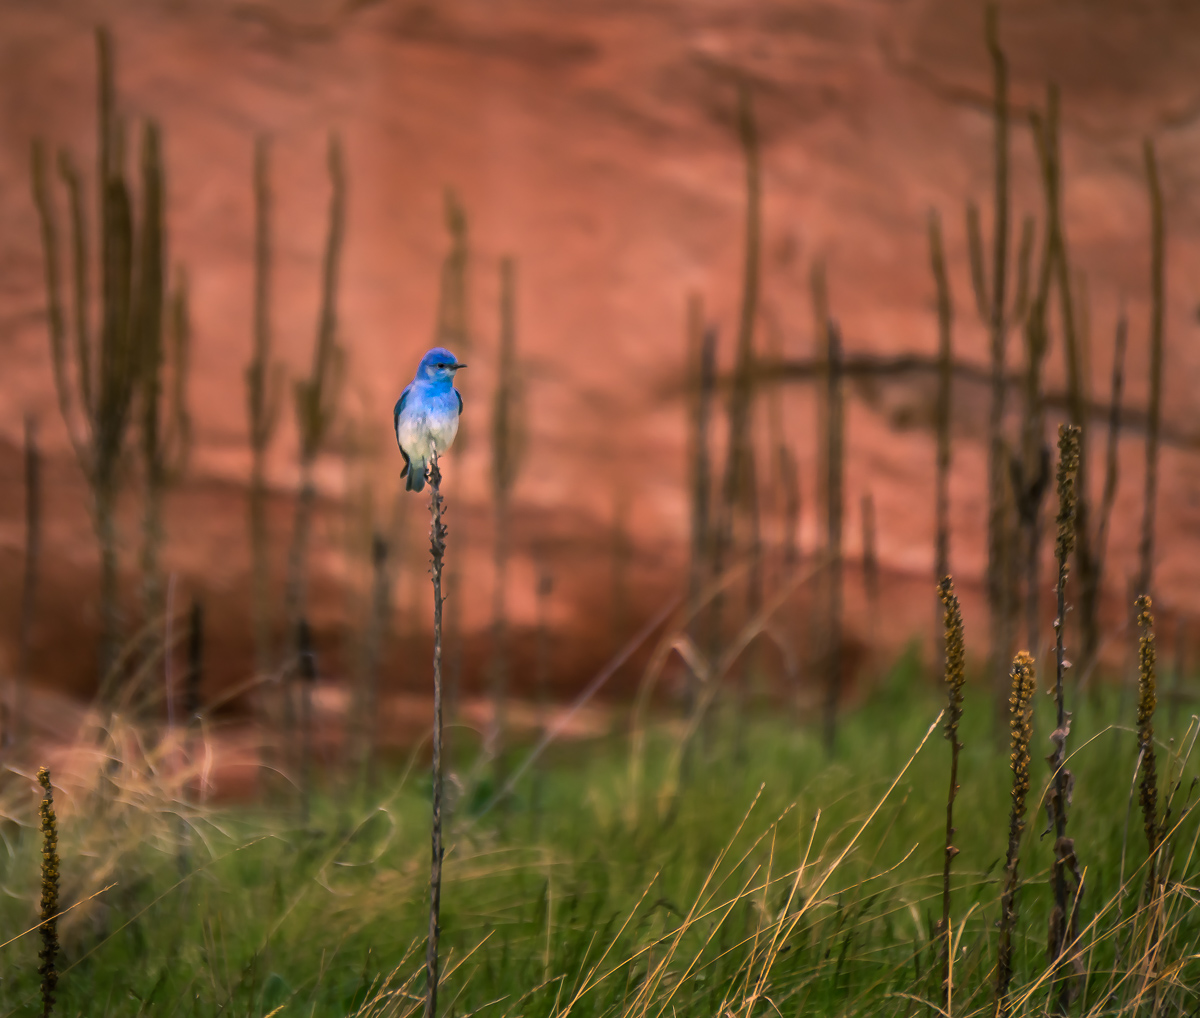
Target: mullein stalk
[945, 391]
[105, 361]
[1157, 312]
[870, 570]
[507, 447]
[991, 302]
[1147, 702]
[49, 913]
[33, 547]
[316, 406]
[834, 501]
[1024, 685]
[264, 389]
[437, 548]
[454, 332]
[1064, 917]
[740, 451]
[1148, 790]
[955, 675]
[702, 367]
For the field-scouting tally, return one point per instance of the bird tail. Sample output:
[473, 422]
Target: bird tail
[416, 477]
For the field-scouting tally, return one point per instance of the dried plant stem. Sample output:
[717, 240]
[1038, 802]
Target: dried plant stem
[834, 493]
[105, 368]
[33, 548]
[1063, 920]
[702, 366]
[368, 708]
[49, 911]
[1024, 685]
[437, 545]
[955, 663]
[316, 405]
[870, 568]
[1147, 702]
[507, 448]
[991, 302]
[263, 398]
[1157, 312]
[945, 313]
[307, 662]
[454, 332]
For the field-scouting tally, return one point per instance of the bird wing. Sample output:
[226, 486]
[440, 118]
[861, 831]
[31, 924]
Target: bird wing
[398, 411]
[459, 395]
[396, 426]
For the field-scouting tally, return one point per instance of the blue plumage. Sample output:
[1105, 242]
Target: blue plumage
[426, 415]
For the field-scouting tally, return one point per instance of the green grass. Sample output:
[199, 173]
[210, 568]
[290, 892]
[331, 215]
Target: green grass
[763, 888]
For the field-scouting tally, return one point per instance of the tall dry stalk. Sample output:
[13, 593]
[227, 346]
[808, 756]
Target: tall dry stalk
[945, 393]
[834, 508]
[48, 928]
[702, 369]
[316, 400]
[992, 303]
[1157, 313]
[870, 568]
[739, 467]
[955, 676]
[1067, 880]
[99, 369]
[366, 734]
[1091, 542]
[264, 391]
[437, 548]
[306, 659]
[163, 364]
[1024, 685]
[15, 736]
[453, 331]
[1147, 701]
[508, 440]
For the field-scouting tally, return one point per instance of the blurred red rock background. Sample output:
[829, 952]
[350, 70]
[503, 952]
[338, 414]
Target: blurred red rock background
[594, 143]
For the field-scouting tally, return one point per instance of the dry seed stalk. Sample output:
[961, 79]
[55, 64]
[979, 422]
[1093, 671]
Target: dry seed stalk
[33, 544]
[454, 332]
[105, 368]
[870, 567]
[702, 366]
[991, 302]
[1154, 426]
[316, 399]
[508, 439]
[945, 310]
[955, 673]
[834, 484]
[437, 547]
[49, 913]
[1147, 701]
[1064, 917]
[1024, 685]
[264, 389]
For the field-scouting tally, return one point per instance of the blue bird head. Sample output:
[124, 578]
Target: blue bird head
[438, 365]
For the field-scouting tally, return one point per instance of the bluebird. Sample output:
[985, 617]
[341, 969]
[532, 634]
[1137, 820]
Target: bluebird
[426, 414]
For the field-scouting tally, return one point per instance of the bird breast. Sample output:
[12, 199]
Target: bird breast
[421, 430]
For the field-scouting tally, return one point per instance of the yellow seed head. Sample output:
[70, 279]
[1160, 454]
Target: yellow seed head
[1024, 682]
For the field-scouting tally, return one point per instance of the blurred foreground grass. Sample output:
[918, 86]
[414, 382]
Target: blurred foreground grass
[761, 888]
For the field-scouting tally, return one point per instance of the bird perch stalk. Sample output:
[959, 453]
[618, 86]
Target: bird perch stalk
[437, 547]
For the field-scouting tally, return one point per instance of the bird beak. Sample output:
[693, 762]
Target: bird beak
[457, 366]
